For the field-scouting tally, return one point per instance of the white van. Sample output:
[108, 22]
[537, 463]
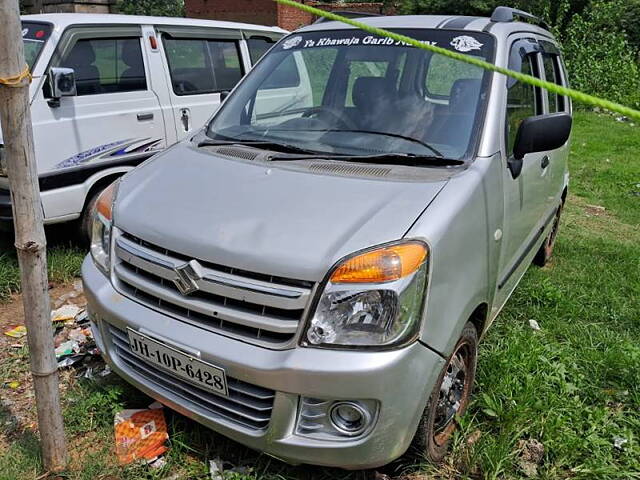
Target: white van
[109, 91]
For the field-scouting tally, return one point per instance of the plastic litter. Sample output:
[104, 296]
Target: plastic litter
[67, 348]
[218, 467]
[158, 463]
[17, 332]
[619, 442]
[106, 371]
[13, 384]
[66, 312]
[140, 435]
[534, 325]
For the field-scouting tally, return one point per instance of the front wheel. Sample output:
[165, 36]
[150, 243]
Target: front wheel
[449, 398]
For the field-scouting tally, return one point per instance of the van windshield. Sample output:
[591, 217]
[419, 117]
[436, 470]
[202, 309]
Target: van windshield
[34, 36]
[347, 92]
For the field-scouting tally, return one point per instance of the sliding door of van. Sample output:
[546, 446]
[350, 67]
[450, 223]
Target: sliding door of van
[202, 63]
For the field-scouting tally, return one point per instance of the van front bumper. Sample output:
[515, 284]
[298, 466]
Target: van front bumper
[399, 381]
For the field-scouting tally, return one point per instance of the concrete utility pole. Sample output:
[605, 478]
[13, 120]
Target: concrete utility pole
[15, 117]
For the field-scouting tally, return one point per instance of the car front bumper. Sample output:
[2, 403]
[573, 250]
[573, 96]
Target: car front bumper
[400, 381]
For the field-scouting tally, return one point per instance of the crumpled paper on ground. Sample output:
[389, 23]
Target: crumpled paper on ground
[67, 312]
[140, 434]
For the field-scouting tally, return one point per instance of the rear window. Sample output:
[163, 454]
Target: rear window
[34, 36]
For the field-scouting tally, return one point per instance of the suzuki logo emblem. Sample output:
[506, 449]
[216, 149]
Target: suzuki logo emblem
[187, 276]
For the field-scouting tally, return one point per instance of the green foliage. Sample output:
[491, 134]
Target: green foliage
[160, 8]
[598, 56]
[601, 38]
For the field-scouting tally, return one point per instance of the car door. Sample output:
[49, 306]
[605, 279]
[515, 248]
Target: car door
[114, 117]
[525, 195]
[202, 63]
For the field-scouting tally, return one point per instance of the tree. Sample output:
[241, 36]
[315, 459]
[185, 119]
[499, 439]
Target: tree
[160, 8]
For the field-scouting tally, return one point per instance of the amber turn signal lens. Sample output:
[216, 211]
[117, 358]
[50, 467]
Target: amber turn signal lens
[105, 202]
[383, 265]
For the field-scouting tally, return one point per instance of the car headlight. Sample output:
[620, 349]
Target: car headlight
[372, 299]
[101, 228]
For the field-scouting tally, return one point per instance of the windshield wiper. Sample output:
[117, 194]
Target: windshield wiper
[269, 145]
[384, 158]
[437, 152]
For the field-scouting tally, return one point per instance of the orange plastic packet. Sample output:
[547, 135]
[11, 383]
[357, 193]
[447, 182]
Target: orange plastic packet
[140, 435]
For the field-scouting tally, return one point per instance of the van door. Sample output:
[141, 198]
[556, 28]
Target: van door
[525, 196]
[114, 119]
[201, 65]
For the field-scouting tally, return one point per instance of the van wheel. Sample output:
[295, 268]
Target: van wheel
[546, 249]
[449, 398]
[86, 220]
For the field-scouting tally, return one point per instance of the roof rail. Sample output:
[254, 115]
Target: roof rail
[348, 14]
[508, 14]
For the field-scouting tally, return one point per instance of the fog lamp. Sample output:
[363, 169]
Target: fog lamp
[348, 417]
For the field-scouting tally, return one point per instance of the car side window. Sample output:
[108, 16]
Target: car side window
[199, 66]
[285, 75]
[444, 72]
[523, 101]
[107, 65]
[552, 73]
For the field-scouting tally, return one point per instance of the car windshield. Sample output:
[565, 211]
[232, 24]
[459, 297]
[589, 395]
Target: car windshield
[346, 92]
[34, 36]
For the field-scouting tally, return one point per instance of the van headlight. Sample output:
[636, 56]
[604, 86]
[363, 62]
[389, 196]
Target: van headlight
[101, 228]
[372, 299]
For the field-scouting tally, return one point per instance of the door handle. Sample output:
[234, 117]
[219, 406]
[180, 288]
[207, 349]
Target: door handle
[185, 119]
[142, 117]
[544, 163]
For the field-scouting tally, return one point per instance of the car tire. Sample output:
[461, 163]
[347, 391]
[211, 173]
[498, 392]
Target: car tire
[449, 398]
[546, 249]
[85, 222]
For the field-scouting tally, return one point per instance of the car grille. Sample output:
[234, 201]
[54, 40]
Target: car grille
[261, 309]
[248, 405]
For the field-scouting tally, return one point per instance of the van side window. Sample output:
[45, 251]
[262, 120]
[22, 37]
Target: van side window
[522, 101]
[199, 66]
[258, 46]
[107, 65]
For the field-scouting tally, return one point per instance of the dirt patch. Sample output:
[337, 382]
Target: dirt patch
[17, 397]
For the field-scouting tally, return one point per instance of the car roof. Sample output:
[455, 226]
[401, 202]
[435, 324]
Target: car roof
[63, 20]
[444, 22]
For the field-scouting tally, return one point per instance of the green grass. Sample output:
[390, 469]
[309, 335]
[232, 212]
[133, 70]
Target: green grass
[63, 259]
[574, 385]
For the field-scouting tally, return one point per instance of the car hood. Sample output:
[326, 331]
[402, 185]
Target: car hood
[276, 219]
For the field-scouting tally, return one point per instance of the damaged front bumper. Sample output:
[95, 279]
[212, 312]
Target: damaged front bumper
[271, 385]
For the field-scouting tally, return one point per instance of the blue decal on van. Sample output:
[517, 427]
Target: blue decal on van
[114, 149]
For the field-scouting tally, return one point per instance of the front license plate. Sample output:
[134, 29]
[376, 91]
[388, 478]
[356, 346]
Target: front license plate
[188, 368]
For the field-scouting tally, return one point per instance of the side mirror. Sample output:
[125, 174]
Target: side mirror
[542, 133]
[539, 134]
[62, 83]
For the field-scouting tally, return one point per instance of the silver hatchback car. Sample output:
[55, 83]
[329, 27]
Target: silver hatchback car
[312, 279]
